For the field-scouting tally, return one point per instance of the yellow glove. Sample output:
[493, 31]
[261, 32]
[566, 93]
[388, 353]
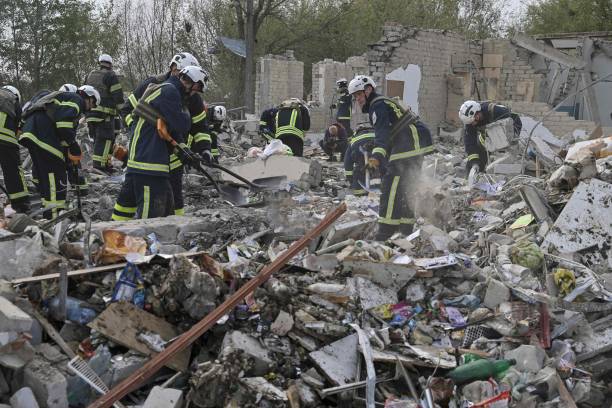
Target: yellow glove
[373, 163]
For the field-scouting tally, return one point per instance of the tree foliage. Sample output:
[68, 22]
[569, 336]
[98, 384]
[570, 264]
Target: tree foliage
[46, 43]
[565, 16]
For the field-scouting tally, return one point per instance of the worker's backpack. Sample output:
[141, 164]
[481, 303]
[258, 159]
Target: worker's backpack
[293, 103]
[43, 101]
[7, 103]
[408, 117]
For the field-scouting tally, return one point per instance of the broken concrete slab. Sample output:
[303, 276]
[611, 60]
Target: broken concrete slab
[21, 256]
[166, 229]
[370, 294]
[122, 322]
[585, 224]
[293, 168]
[24, 398]
[496, 294]
[164, 398]
[385, 274]
[47, 383]
[338, 360]
[283, 324]
[498, 134]
[355, 229]
[260, 385]
[12, 318]
[239, 341]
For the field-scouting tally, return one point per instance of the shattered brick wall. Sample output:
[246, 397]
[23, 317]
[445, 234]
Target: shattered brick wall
[324, 76]
[509, 74]
[278, 77]
[434, 52]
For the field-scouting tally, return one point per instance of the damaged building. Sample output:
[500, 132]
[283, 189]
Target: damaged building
[278, 296]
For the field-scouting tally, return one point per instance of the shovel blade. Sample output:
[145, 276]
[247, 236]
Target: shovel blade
[272, 183]
[232, 194]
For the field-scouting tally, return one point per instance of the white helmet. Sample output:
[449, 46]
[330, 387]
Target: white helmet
[183, 60]
[467, 111]
[342, 83]
[219, 113]
[196, 74]
[359, 83]
[88, 90]
[14, 91]
[68, 88]
[105, 58]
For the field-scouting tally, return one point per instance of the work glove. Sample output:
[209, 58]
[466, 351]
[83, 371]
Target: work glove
[74, 153]
[184, 155]
[373, 163]
[207, 157]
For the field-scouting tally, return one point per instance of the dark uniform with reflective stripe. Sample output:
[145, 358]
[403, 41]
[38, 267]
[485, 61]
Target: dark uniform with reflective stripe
[400, 157]
[354, 160]
[343, 114]
[10, 161]
[146, 191]
[198, 139]
[474, 135]
[101, 119]
[267, 123]
[335, 144]
[47, 134]
[291, 123]
[214, 128]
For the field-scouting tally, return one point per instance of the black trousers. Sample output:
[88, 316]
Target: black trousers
[14, 180]
[52, 177]
[397, 201]
[294, 142]
[103, 134]
[144, 196]
[339, 146]
[176, 180]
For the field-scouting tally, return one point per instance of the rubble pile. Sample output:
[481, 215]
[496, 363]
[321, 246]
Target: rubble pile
[501, 296]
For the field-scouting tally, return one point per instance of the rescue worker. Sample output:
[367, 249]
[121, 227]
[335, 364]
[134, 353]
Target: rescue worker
[344, 106]
[400, 141]
[334, 141]
[49, 134]
[198, 140]
[354, 159]
[292, 120]
[475, 116]
[267, 123]
[146, 191]
[101, 120]
[68, 88]
[10, 161]
[216, 117]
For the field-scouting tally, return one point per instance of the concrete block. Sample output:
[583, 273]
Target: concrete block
[496, 294]
[237, 340]
[166, 229]
[283, 324]
[528, 358]
[294, 168]
[164, 398]
[24, 398]
[492, 60]
[12, 318]
[338, 360]
[47, 383]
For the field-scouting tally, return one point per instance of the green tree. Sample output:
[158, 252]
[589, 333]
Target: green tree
[50, 42]
[557, 16]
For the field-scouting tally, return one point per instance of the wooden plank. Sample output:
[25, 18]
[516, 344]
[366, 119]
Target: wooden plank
[53, 333]
[88, 271]
[122, 322]
[187, 338]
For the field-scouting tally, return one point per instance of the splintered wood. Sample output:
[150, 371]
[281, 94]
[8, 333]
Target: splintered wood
[122, 322]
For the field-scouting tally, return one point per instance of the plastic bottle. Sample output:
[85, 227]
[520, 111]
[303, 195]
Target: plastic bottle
[76, 310]
[479, 370]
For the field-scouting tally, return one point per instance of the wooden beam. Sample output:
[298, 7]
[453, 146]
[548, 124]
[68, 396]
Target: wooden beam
[187, 338]
[88, 271]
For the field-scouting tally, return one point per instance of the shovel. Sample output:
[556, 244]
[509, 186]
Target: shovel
[367, 187]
